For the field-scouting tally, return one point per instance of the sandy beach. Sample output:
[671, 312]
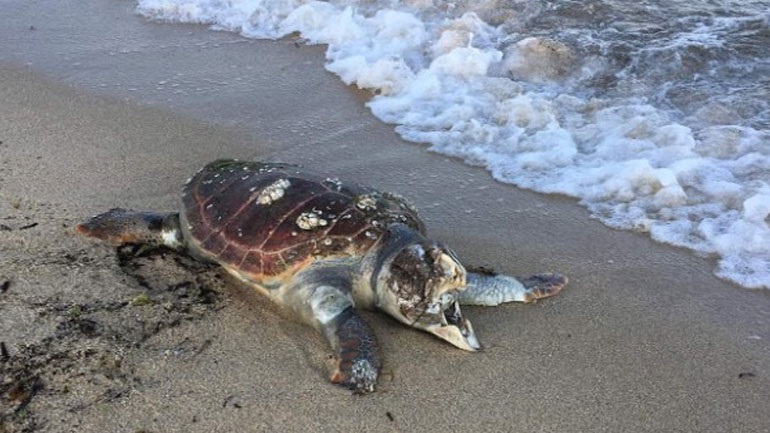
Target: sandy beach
[644, 339]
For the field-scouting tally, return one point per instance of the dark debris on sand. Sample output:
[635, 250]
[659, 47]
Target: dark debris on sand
[89, 345]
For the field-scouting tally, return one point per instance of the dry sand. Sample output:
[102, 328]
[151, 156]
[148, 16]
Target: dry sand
[644, 338]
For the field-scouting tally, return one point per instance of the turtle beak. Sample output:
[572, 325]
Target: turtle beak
[455, 329]
[452, 327]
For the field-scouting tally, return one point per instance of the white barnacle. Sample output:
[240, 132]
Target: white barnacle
[333, 182]
[366, 202]
[310, 221]
[366, 374]
[273, 192]
[327, 241]
[370, 235]
[170, 238]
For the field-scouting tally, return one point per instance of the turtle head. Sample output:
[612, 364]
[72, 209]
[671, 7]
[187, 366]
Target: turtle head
[418, 285]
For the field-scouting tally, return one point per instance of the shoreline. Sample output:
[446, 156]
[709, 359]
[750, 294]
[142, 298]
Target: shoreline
[644, 338]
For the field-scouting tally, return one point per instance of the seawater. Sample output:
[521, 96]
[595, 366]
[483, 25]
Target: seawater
[654, 114]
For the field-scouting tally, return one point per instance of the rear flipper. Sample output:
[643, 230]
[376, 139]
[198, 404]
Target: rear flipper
[494, 289]
[124, 226]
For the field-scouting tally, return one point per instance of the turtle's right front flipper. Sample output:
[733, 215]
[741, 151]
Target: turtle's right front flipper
[124, 226]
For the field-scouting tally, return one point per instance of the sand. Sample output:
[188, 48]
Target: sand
[644, 338]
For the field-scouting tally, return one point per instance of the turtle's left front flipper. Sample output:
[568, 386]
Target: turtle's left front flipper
[486, 288]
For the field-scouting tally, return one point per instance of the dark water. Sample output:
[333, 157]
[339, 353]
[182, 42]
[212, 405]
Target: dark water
[709, 61]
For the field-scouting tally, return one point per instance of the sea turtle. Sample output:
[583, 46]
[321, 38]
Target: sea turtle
[321, 247]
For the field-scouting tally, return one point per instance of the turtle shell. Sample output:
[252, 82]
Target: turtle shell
[268, 219]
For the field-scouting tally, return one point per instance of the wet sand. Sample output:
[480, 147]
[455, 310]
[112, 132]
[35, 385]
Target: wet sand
[644, 338]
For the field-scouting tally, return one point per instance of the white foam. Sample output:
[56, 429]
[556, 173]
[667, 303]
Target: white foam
[505, 101]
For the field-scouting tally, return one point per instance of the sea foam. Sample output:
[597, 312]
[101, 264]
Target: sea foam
[515, 104]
